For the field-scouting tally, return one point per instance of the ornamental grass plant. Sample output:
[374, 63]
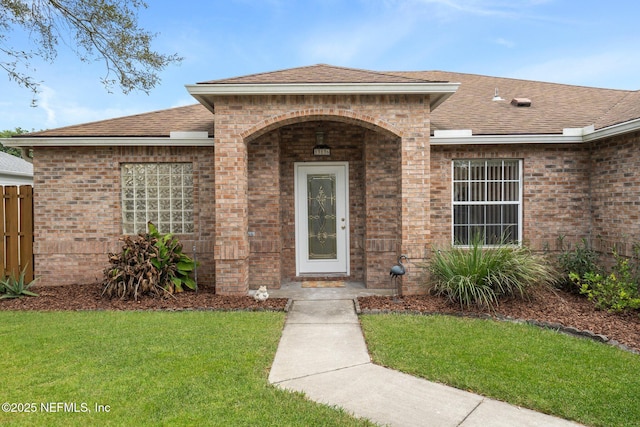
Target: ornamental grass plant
[480, 276]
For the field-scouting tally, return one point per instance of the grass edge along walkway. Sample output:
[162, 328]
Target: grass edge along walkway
[148, 368]
[540, 369]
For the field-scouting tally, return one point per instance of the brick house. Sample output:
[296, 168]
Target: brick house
[324, 171]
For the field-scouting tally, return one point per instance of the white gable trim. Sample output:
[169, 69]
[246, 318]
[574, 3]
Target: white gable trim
[568, 136]
[107, 141]
[439, 92]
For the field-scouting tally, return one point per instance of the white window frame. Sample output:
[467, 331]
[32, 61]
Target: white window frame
[135, 200]
[517, 202]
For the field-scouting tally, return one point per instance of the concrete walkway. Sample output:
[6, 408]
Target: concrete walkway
[322, 353]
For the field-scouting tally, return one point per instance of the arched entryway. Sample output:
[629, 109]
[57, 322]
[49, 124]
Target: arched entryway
[370, 158]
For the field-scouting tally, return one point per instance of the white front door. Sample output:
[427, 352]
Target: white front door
[322, 218]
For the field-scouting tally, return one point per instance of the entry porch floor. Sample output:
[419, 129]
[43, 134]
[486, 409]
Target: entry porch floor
[300, 291]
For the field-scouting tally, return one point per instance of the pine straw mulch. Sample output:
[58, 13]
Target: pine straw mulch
[550, 308]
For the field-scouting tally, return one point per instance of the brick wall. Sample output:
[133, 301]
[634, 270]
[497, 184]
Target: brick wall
[77, 212]
[383, 210]
[555, 190]
[346, 142]
[264, 211]
[242, 123]
[615, 193]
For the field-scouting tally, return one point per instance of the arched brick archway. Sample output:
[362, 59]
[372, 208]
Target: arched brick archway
[372, 156]
[390, 172]
[319, 114]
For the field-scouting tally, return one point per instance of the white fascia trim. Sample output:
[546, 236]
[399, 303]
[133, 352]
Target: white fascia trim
[507, 139]
[321, 88]
[105, 142]
[11, 174]
[630, 126]
[568, 136]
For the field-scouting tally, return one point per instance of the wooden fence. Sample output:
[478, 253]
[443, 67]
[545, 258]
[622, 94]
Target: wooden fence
[16, 217]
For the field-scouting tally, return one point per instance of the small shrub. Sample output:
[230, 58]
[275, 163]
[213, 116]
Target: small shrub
[12, 287]
[616, 292]
[581, 260]
[481, 276]
[150, 263]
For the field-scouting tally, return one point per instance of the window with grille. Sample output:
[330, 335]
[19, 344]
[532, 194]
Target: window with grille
[161, 193]
[487, 201]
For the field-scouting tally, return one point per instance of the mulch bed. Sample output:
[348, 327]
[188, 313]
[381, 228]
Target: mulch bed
[88, 297]
[547, 307]
[551, 308]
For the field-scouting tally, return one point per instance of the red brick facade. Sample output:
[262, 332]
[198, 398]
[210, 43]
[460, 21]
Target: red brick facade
[400, 190]
[77, 208]
[555, 185]
[615, 193]
[385, 139]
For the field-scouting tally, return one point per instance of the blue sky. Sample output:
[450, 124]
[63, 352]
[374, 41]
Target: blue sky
[586, 42]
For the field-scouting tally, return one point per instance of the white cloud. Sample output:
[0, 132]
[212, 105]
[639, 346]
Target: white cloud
[183, 102]
[45, 97]
[505, 42]
[478, 7]
[61, 111]
[612, 69]
[350, 42]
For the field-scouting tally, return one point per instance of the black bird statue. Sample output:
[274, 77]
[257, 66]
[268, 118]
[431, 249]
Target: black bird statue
[397, 270]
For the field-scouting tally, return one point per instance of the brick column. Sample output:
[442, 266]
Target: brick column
[414, 190]
[232, 241]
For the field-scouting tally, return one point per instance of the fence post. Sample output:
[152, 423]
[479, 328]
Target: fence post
[11, 230]
[2, 240]
[26, 231]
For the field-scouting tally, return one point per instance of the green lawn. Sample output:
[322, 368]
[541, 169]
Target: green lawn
[148, 368]
[566, 376]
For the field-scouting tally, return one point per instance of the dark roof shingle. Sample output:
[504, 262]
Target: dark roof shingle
[553, 106]
[154, 124]
[320, 73]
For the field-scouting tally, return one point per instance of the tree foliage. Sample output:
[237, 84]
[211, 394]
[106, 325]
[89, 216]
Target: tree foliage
[8, 134]
[103, 30]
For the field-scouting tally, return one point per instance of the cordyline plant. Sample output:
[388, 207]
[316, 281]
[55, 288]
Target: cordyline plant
[149, 264]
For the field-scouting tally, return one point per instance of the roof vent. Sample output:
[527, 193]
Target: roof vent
[497, 97]
[521, 102]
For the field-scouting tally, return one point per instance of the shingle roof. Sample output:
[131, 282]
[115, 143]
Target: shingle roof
[12, 164]
[628, 108]
[553, 106]
[155, 124]
[320, 73]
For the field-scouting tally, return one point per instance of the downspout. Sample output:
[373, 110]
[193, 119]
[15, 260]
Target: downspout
[24, 151]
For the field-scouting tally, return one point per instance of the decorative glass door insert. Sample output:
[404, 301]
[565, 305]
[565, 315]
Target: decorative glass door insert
[321, 215]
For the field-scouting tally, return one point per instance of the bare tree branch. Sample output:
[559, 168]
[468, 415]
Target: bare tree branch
[105, 30]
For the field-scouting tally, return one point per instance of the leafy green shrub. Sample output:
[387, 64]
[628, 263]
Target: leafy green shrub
[617, 291]
[150, 263]
[12, 287]
[481, 276]
[581, 260]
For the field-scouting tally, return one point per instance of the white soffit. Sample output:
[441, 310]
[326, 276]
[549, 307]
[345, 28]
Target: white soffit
[188, 135]
[568, 136]
[106, 141]
[439, 91]
[454, 133]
